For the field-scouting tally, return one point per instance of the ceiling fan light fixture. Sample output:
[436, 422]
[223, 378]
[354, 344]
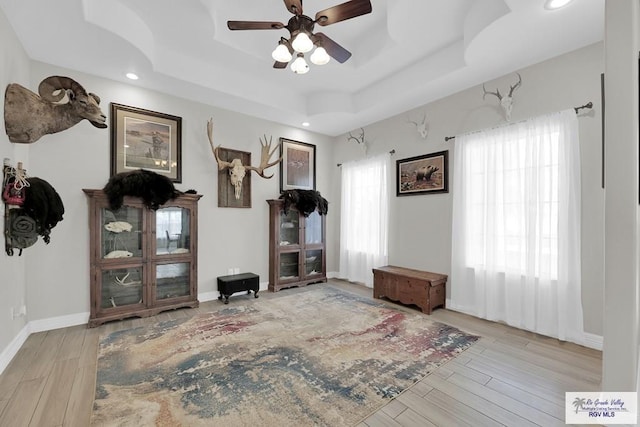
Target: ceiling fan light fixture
[556, 4]
[300, 66]
[281, 54]
[320, 56]
[302, 43]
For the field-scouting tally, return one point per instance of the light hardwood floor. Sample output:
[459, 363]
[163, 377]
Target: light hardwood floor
[509, 377]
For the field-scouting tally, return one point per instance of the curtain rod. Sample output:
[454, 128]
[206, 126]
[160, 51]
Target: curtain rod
[587, 105]
[390, 152]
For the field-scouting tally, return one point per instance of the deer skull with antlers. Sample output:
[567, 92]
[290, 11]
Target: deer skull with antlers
[237, 170]
[506, 102]
[422, 128]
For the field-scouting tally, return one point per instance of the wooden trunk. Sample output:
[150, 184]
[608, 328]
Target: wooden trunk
[424, 289]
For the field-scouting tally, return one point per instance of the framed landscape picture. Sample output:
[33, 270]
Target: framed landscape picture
[424, 174]
[143, 139]
[298, 166]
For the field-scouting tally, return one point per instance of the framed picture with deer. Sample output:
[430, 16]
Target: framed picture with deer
[298, 167]
[424, 174]
[143, 139]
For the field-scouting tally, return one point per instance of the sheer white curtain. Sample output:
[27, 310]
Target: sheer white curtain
[516, 226]
[364, 218]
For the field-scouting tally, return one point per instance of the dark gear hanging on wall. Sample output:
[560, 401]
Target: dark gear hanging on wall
[32, 208]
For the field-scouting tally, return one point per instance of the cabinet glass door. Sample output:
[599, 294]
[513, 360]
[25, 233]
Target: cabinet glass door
[289, 228]
[289, 266]
[313, 262]
[121, 287]
[172, 280]
[121, 235]
[313, 228]
[172, 231]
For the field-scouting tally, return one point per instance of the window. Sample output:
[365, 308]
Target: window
[513, 202]
[516, 226]
[364, 218]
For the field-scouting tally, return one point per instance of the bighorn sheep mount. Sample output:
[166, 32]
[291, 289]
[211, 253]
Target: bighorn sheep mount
[237, 170]
[506, 102]
[27, 116]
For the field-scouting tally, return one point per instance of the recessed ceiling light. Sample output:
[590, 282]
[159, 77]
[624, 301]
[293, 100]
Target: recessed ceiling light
[305, 124]
[132, 76]
[556, 4]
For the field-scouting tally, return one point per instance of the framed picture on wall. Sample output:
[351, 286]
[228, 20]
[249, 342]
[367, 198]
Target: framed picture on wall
[143, 139]
[298, 166]
[424, 174]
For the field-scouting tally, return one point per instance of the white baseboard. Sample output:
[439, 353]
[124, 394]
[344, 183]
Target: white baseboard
[588, 340]
[593, 341]
[58, 322]
[38, 326]
[13, 347]
[208, 296]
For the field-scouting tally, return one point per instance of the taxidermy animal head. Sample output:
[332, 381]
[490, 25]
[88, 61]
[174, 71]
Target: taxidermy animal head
[359, 139]
[422, 128]
[237, 170]
[506, 102]
[62, 104]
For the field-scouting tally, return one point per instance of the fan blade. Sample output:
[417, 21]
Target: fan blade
[280, 64]
[334, 50]
[254, 25]
[343, 11]
[294, 6]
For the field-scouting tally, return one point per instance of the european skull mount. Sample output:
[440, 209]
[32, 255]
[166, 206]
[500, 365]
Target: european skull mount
[237, 170]
[62, 103]
[506, 102]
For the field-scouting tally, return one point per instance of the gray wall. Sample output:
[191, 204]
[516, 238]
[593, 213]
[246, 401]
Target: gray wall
[420, 232]
[79, 158]
[14, 68]
[622, 296]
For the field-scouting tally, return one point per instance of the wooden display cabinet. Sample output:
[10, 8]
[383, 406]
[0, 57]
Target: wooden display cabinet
[142, 261]
[297, 250]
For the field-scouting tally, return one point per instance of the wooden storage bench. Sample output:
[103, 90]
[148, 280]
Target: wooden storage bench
[424, 289]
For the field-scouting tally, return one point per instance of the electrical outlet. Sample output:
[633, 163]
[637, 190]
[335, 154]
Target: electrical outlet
[11, 313]
[23, 310]
[229, 271]
[236, 270]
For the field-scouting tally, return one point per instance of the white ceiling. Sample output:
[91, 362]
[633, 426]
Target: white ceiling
[406, 53]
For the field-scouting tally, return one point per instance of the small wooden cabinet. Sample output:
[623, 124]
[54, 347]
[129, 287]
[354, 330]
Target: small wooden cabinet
[297, 255]
[424, 289]
[142, 261]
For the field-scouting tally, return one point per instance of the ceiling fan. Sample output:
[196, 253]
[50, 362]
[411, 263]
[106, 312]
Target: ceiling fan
[302, 39]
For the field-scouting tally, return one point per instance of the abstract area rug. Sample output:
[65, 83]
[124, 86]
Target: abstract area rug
[313, 358]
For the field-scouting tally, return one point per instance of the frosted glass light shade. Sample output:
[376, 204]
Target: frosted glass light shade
[320, 56]
[556, 4]
[281, 54]
[300, 66]
[302, 43]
